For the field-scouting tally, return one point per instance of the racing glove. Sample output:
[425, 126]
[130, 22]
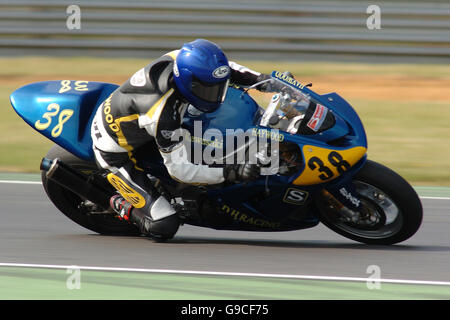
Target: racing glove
[241, 172]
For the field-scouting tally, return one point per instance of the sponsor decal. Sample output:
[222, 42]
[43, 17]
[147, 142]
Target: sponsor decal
[138, 79]
[317, 118]
[221, 72]
[241, 217]
[108, 116]
[217, 144]
[286, 79]
[295, 196]
[268, 134]
[346, 194]
[240, 146]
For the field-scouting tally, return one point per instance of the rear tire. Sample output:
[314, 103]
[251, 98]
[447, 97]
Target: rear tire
[69, 203]
[394, 201]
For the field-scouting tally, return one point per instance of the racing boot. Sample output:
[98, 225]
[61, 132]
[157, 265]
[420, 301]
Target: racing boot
[122, 207]
[160, 224]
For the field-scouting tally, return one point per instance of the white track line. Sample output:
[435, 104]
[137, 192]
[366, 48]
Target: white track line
[232, 274]
[40, 183]
[435, 198]
[20, 182]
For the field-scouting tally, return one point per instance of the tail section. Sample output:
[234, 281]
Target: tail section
[62, 111]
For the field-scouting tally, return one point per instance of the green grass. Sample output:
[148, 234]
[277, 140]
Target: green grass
[21, 147]
[50, 284]
[88, 66]
[81, 66]
[411, 137]
[305, 69]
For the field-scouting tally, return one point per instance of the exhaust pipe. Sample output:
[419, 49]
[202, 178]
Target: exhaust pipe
[76, 181]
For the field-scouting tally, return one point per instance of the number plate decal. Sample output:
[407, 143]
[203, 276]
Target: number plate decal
[322, 165]
[53, 111]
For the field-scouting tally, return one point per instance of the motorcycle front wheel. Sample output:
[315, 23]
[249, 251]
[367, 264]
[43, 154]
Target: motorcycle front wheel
[390, 209]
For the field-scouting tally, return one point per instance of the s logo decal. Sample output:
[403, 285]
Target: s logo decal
[295, 196]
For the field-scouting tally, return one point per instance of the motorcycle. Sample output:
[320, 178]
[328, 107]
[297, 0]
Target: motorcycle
[322, 173]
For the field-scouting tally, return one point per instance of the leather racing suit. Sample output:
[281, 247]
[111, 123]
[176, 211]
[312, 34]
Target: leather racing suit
[145, 108]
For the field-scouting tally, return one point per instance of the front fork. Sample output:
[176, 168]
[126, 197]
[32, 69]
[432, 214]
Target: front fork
[342, 195]
[345, 212]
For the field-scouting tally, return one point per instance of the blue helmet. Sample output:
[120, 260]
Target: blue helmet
[202, 74]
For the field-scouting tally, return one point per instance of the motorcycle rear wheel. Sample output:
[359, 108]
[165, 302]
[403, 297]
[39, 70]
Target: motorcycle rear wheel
[391, 207]
[70, 204]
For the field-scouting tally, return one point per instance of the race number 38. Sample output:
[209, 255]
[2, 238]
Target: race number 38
[47, 118]
[322, 164]
[66, 85]
[335, 159]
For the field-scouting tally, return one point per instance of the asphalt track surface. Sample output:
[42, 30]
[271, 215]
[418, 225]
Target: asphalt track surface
[32, 231]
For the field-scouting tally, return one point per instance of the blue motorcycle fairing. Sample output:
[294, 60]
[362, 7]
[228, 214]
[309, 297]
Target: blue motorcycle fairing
[336, 104]
[242, 202]
[236, 112]
[340, 107]
[239, 111]
[62, 111]
[348, 131]
[265, 206]
[343, 188]
[286, 207]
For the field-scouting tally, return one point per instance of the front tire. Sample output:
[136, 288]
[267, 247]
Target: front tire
[391, 206]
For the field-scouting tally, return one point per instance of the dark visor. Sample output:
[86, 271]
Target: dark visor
[210, 92]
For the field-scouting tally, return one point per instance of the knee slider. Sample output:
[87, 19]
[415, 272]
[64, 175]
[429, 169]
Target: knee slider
[164, 228]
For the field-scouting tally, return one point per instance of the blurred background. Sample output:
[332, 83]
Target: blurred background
[388, 59]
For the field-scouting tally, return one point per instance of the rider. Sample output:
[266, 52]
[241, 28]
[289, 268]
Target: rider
[150, 106]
